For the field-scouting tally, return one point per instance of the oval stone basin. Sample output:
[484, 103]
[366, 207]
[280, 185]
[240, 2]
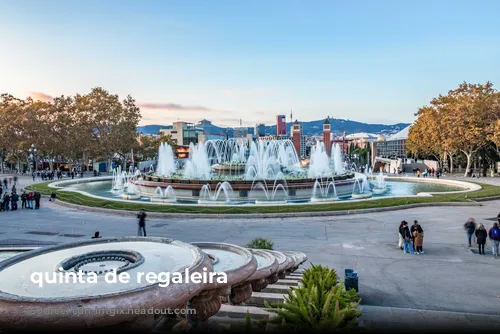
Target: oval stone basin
[298, 259]
[283, 263]
[267, 265]
[25, 305]
[282, 259]
[237, 262]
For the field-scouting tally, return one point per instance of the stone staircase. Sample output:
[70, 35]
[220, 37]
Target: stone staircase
[233, 317]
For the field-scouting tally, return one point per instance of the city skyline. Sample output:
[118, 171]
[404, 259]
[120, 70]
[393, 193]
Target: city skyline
[228, 61]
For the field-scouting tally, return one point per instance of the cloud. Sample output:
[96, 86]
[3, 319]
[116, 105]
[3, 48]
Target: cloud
[172, 106]
[40, 96]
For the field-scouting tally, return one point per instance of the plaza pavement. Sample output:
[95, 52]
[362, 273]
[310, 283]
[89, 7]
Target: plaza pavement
[448, 277]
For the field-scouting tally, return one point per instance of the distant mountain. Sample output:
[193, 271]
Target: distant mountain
[312, 128]
[151, 129]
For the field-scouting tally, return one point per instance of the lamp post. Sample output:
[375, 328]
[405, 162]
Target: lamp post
[3, 159]
[32, 156]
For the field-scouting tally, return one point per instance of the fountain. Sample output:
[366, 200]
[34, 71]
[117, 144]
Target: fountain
[338, 164]
[26, 306]
[277, 194]
[268, 158]
[209, 197]
[380, 185]
[319, 166]
[361, 189]
[262, 172]
[198, 166]
[166, 161]
[166, 195]
[324, 191]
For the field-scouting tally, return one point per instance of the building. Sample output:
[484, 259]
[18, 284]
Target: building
[282, 137]
[183, 133]
[343, 143]
[260, 130]
[393, 147]
[299, 141]
[327, 136]
[240, 132]
[280, 125]
[361, 139]
[203, 138]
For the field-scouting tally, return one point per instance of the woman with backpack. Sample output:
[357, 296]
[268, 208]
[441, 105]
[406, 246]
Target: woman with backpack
[481, 235]
[494, 235]
[418, 239]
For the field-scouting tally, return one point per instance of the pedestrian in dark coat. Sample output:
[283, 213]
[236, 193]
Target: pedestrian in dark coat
[481, 235]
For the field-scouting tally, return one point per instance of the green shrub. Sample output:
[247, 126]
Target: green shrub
[320, 303]
[261, 243]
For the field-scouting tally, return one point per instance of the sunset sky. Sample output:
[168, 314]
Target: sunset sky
[370, 61]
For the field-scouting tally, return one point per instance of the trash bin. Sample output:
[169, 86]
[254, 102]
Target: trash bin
[351, 280]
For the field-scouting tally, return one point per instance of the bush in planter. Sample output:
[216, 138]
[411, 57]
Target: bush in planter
[321, 303]
[261, 243]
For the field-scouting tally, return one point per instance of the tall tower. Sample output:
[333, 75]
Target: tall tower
[297, 137]
[280, 125]
[326, 136]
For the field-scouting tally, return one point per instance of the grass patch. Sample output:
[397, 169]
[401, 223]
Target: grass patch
[80, 199]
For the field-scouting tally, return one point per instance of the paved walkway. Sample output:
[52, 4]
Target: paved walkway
[447, 278]
[407, 319]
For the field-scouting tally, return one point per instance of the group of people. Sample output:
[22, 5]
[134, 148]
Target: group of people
[411, 240]
[482, 235]
[427, 172]
[29, 199]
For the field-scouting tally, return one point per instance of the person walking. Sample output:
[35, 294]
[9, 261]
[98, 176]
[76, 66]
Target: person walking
[142, 223]
[494, 235]
[418, 239]
[481, 235]
[401, 241]
[6, 201]
[470, 228]
[13, 199]
[36, 197]
[407, 237]
[29, 203]
[24, 197]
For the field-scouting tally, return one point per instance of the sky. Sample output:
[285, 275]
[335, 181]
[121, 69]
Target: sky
[364, 60]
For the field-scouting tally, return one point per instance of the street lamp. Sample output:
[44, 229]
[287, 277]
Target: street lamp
[32, 155]
[3, 159]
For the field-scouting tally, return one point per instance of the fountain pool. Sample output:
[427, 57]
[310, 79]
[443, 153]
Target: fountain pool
[324, 192]
[266, 172]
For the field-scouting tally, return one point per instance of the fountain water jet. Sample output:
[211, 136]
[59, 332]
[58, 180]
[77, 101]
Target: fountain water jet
[209, 197]
[198, 166]
[166, 161]
[319, 165]
[324, 191]
[363, 188]
[380, 185]
[166, 195]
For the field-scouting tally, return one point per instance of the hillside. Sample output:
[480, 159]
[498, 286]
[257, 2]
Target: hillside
[312, 128]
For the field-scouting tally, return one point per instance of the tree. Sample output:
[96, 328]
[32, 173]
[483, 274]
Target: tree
[425, 137]
[467, 113]
[459, 121]
[109, 124]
